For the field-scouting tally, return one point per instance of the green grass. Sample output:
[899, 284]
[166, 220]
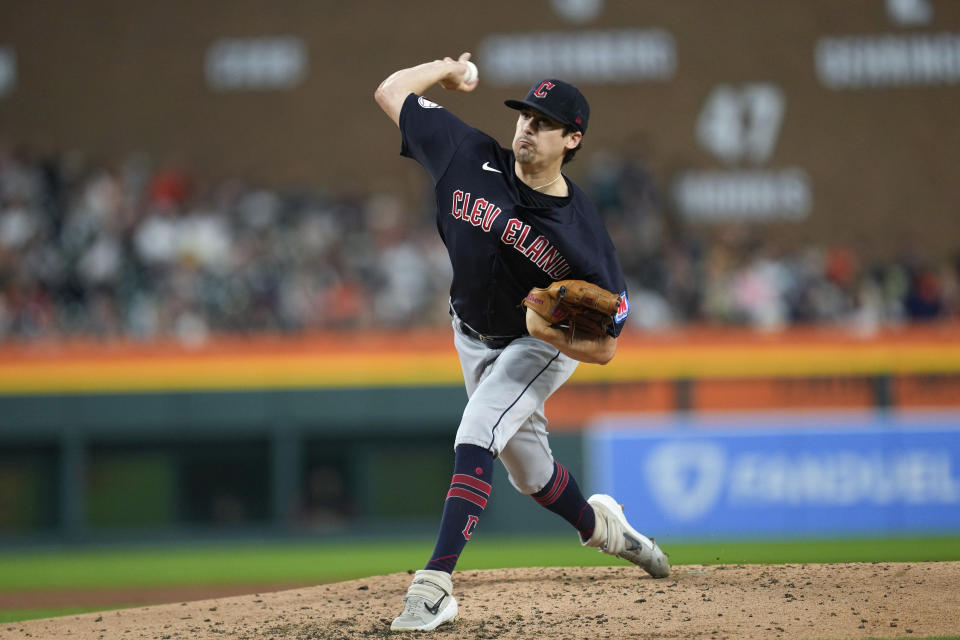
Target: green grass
[329, 562]
[314, 563]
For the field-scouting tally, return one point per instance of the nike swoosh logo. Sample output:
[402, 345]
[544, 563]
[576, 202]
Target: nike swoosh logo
[435, 608]
[487, 167]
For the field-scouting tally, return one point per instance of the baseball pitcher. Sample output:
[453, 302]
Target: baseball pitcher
[537, 288]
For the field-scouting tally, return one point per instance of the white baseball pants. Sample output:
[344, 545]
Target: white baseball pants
[506, 390]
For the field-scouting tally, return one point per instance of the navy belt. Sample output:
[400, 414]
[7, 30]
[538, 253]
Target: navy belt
[494, 342]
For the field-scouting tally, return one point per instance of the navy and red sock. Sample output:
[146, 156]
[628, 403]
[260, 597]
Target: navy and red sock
[466, 499]
[562, 496]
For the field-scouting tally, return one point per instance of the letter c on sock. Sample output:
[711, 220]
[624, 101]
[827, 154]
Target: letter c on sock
[471, 525]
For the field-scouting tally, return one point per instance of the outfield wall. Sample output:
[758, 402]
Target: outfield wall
[320, 435]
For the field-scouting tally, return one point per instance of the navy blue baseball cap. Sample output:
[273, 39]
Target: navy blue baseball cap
[558, 99]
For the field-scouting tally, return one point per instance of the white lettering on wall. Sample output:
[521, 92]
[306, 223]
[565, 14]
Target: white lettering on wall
[608, 56]
[757, 195]
[873, 62]
[741, 123]
[691, 479]
[256, 63]
[913, 477]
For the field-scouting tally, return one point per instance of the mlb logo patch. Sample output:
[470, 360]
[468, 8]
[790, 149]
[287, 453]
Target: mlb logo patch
[623, 309]
[428, 104]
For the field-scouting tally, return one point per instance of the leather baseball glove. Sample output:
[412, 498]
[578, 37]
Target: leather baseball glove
[575, 304]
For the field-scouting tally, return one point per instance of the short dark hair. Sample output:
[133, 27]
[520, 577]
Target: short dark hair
[569, 153]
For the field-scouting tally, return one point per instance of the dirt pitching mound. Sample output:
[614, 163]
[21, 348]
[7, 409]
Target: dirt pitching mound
[743, 602]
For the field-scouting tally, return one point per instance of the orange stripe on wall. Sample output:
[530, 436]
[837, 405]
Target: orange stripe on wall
[229, 372]
[428, 358]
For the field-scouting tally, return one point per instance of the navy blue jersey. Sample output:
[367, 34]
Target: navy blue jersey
[503, 238]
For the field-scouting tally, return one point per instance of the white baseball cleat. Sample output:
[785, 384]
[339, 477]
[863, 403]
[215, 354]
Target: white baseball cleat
[428, 604]
[613, 534]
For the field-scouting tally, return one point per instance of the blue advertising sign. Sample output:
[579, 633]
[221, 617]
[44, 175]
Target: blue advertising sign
[782, 475]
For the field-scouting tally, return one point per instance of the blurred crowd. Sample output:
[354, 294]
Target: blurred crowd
[144, 251]
[736, 274]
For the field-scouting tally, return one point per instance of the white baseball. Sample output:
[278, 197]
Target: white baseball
[471, 73]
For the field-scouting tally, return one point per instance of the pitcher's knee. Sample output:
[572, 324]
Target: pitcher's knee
[527, 483]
